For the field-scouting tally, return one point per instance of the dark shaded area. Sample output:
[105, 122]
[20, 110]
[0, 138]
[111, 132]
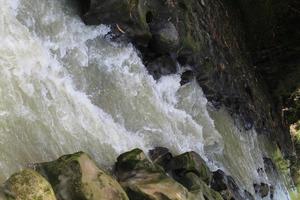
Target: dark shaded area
[244, 54]
[273, 38]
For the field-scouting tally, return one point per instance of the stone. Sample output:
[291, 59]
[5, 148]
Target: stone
[248, 195]
[262, 189]
[187, 77]
[165, 38]
[160, 156]
[196, 186]
[143, 180]
[128, 17]
[27, 185]
[76, 177]
[161, 66]
[190, 162]
[227, 186]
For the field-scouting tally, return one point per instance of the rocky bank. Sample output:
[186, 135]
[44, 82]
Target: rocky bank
[244, 54]
[162, 176]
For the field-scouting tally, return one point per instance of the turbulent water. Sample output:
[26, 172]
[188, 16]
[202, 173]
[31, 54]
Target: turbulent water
[65, 87]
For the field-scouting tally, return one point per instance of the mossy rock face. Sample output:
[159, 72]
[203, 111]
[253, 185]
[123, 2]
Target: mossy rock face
[143, 180]
[199, 187]
[76, 177]
[190, 162]
[27, 185]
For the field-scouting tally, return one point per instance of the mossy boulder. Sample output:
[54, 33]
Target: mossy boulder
[27, 185]
[76, 177]
[165, 37]
[190, 162]
[144, 180]
[199, 187]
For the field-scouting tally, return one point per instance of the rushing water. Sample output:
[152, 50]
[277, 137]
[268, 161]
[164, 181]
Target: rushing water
[66, 87]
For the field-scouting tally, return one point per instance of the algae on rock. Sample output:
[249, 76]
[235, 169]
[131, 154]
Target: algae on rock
[76, 177]
[27, 185]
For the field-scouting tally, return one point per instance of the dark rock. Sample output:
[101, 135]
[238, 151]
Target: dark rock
[196, 186]
[129, 17]
[226, 186]
[261, 189]
[248, 195]
[188, 172]
[272, 190]
[165, 38]
[144, 180]
[270, 167]
[211, 39]
[160, 156]
[161, 66]
[219, 181]
[187, 77]
[189, 162]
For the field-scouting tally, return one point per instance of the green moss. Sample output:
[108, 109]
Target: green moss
[281, 163]
[28, 185]
[76, 176]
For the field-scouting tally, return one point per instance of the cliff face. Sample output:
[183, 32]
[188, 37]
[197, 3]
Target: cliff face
[244, 55]
[273, 38]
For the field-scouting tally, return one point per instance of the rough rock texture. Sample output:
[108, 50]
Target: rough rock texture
[190, 170]
[244, 53]
[27, 185]
[76, 177]
[228, 187]
[273, 39]
[211, 40]
[188, 162]
[142, 180]
[161, 156]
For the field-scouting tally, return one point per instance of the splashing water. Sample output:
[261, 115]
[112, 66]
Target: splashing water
[65, 87]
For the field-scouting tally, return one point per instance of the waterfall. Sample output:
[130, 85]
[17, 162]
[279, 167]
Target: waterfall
[67, 87]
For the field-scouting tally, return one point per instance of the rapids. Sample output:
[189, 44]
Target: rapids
[66, 87]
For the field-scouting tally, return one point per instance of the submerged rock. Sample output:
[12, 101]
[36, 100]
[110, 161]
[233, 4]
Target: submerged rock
[187, 77]
[228, 188]
[261, 189]
[144, 180]
[27, 185]
[76, 177]
[161, 66]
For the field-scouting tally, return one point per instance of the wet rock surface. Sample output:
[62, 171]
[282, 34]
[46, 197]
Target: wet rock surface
[227, 186]
[142, 179]
[161, 156]
[190, 170]
[205, 36]
[189, 162]
[161, 66]
[262, 189]
[135, 177]
[76, 177]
